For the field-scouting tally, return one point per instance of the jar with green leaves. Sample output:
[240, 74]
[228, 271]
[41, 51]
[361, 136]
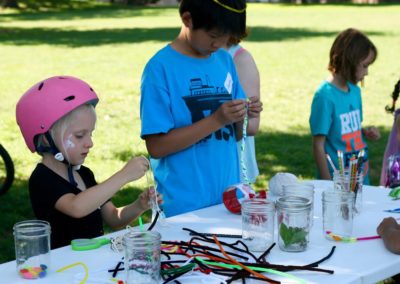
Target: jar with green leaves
[293, 214]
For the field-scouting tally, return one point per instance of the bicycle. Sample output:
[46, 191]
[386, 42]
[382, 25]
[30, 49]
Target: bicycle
[6, 171]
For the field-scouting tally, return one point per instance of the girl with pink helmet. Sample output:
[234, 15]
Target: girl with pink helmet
[56, 118]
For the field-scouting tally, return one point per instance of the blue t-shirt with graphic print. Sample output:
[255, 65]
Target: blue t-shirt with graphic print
[177, 91]
[338, 116]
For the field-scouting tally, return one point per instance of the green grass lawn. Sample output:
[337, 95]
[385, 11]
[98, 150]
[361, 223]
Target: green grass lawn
[109, 46]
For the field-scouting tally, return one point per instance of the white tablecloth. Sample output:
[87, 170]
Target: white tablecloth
[360, 262]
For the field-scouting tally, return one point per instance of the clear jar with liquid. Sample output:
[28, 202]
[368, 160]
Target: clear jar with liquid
[258, 223]
[293, 214]
[142, 257]
[32, 248]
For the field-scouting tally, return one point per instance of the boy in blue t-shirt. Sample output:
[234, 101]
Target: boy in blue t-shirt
[192, 107]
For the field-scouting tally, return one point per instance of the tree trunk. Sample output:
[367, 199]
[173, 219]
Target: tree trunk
[10, 3]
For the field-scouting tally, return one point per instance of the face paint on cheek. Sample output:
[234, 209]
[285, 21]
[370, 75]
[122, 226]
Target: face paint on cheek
[68, 143]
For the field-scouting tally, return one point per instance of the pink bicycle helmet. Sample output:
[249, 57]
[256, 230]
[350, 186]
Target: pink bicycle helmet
[49, 100]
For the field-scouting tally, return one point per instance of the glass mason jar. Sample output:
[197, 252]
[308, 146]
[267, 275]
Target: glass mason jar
[337, 213]
[293, 214]
[354, 184]
[142, 257]
[258, 223]
[305, 190]
[32, 248]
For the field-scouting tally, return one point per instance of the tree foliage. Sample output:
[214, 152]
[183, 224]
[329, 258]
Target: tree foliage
[36, 4]
[39, 4]
[10, 3]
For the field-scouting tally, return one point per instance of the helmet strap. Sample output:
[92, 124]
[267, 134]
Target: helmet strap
[53, 148]
[71, 175]
[59, 157]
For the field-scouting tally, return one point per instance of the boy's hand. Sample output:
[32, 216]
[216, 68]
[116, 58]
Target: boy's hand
[231, 112]
[135, 168]
[254, 107]
[371, 133]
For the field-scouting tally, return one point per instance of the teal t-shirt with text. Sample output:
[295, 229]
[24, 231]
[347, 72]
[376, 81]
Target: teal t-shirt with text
[338, 115]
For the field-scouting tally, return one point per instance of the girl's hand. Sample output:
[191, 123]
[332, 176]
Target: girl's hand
[371, 133]
[135, 168]
[231, 112]
[146, 197]
[254, 107]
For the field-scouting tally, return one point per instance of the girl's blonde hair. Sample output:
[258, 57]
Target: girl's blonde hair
[60, 126]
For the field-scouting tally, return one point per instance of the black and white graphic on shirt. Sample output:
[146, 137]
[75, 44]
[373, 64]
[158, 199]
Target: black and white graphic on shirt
[203, 100]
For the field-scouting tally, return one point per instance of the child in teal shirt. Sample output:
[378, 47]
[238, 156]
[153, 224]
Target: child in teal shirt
[336, 110]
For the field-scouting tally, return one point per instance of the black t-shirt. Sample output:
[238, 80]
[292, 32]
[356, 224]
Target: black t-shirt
[45, 188]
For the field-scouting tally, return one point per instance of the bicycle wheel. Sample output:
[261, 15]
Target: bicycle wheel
[6, 170]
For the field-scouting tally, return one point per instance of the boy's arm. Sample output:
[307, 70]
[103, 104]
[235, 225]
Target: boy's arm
[320, 156]
[161, 145]
[389, 231]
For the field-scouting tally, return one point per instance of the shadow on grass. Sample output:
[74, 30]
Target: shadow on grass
[91, 12]
[75, 38]
[290, 152]
[97, 11]
[258, 33]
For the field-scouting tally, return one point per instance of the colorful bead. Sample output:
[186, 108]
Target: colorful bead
[262, 194]
[42, 274]
[33, 272]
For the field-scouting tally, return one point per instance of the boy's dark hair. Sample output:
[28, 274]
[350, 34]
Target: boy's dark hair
[348, 50]
[233, 40]
[395, 96]
[226, 16]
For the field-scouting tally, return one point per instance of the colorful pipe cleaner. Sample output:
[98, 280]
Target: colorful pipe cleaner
[221, 260]
[338, 238]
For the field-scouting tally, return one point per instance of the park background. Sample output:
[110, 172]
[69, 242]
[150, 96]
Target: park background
[108, 46]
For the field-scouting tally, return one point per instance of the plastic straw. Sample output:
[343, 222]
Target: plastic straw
[141, 223]
[331, 163]
[340, 162]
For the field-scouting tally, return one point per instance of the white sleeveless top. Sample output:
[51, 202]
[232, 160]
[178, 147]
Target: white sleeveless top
[250, 151]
